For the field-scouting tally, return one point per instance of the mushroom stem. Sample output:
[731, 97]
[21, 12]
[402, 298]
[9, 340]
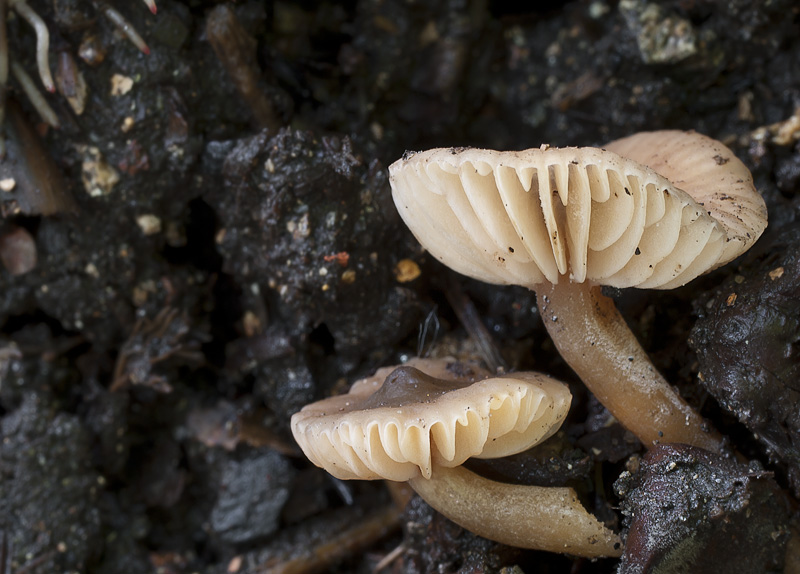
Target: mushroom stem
[594, 339]
[534, 517]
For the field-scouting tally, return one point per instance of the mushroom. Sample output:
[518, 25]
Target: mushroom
[654, 210]
[421, 421]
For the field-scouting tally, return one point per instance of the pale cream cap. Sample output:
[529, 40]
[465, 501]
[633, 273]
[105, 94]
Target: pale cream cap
[588, 214]
[430, 412]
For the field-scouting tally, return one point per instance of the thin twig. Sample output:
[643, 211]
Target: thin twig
[124, 26]
[152, 342]
[42, 42]
[28, 86]
[35, 563]
[468, 315]
[352, 540]
[389, 558]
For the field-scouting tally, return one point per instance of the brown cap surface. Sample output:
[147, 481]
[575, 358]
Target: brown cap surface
[592, 215]
[428, 412]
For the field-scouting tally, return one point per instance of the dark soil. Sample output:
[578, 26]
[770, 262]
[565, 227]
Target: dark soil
[211, 244]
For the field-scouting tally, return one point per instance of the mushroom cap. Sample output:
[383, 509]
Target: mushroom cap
[534, 216]
[402, 421]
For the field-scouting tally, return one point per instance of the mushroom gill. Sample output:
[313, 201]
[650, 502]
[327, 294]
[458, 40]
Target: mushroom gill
[421, 421]
[564, 222]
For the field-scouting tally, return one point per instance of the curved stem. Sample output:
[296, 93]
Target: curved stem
[596, 342]
[534, 517]
[42, 42]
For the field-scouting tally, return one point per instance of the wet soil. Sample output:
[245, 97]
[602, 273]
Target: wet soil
[211, 243]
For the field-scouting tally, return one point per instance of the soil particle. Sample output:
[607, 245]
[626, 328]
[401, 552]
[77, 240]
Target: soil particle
[48, 489]
[17, 250]
[436, 544]
[253, 491]
[689, 510]
[310, 199]
[747, 346]
[662, 38]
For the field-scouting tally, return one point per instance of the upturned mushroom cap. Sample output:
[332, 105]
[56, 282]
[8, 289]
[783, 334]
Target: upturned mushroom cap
[402, 421]
[595, 215]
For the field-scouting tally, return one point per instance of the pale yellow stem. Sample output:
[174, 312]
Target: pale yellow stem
[595, 341]
[534, 517]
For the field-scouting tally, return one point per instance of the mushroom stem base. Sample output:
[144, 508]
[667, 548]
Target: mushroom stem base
[534, 517]
[595, 341]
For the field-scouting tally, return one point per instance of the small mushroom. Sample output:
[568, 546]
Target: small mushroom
[654, 210]
[421, 421]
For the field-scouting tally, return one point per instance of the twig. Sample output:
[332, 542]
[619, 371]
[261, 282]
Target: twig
[36, 98]
[389, 558]
[42, 42]
[468, 315]
[36, 562]
[124, 26]
[149, 343]
[345, 543]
